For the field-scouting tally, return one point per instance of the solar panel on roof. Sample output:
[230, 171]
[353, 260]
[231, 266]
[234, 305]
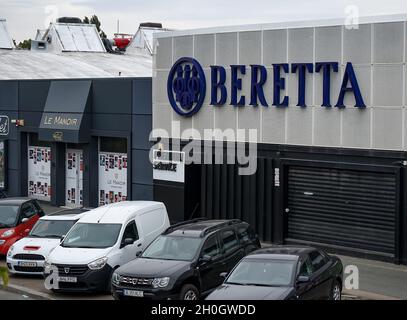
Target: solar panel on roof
[5, 39]
[79, 38]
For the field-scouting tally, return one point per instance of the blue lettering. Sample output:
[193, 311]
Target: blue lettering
[236, 84]
[257, 85]
[326, 78]
[349, 76]
[302, 69]
[279, 84]
[218, 80]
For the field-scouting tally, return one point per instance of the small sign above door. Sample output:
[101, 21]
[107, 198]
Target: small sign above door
[4, 125]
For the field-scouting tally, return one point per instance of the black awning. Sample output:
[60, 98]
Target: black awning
[66, 116]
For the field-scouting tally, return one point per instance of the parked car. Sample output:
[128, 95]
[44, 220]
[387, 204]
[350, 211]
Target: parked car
[103, 240]
[17, 217]
[27, 256]
[185, 262]
[283, 273]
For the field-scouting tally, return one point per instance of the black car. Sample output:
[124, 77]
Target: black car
[283, 273]
[186, 261]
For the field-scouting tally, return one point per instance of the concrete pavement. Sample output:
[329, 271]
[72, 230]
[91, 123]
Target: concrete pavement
[379, 279]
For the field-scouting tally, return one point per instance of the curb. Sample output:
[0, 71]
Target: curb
[32, 293]
[364, 295]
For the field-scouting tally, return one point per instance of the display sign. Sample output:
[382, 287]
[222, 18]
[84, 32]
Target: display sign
[186, 85]
[169, 165]
[74, 178]
[39, 173]
[112, 177]
[4, 126]
[3, 164]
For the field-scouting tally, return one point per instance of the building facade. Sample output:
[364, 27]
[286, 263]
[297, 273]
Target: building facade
[326, 105]
[77, 142]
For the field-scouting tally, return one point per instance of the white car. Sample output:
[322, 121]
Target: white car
[105, 239]
[27, 256]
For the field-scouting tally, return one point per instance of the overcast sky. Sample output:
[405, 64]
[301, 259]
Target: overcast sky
[26, 16]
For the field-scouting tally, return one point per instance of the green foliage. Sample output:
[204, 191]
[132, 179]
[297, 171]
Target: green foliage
[95, 20]
[26, 44]
[4, 275]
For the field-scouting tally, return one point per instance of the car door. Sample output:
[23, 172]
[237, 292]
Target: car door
[321, 275]
[210, 271]
[28, 217]
[129, 252]
[233, 252]
[305, 290]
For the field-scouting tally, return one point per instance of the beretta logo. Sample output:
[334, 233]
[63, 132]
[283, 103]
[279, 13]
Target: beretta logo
[186, 86]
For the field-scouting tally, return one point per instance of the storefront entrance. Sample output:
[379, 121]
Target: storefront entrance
[74, 178]
[39, 169]
[113, 162]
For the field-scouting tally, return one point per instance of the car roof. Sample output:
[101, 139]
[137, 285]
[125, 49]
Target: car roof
[68, 214]
[120, 212]
[281, 252]
[13, 201]
[196, 228]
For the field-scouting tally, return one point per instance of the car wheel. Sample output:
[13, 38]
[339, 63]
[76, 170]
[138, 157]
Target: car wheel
[336, 291]
[189, 292]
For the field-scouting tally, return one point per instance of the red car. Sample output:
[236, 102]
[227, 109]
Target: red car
[17, 217]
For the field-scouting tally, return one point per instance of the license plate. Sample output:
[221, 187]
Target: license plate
[27, 264]
[67, 279]
[133, 293]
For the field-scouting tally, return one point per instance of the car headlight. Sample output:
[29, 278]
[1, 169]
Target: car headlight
[161, 282]
[116, 278]
[8, 233]
[10, 251]
[98, 264]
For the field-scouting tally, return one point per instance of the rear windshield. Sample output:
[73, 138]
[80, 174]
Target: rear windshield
[8, 216]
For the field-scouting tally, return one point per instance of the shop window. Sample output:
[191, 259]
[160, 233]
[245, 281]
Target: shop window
[113, 162]
[117, 145]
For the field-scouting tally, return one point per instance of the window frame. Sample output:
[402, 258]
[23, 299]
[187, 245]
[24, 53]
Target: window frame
[134, 229]
[231, 249]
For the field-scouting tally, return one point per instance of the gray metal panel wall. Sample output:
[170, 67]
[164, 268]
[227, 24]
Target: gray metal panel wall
[142, 172]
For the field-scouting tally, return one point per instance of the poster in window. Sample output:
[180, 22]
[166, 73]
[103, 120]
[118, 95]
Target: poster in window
[3, 159]
[39, 173]
[112, 177]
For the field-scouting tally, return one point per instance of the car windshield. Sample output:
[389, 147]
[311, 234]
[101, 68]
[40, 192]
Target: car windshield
[51, 228]
[8, 216]
[92, 235]
[263, 273]
[173, 248]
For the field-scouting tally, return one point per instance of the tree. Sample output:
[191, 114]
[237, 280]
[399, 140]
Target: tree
[26, 44]
[95, 20]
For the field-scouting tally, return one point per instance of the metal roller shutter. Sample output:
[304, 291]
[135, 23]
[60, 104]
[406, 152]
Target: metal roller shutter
[353, 209]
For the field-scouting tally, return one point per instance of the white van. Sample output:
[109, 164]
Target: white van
[105, 239]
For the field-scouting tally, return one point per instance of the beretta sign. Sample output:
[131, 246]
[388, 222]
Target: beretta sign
[186, 86]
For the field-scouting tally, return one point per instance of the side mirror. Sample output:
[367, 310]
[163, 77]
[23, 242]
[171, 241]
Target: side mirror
[223, 275]
[303, 279]
[27, 231]
[205, 259]
[127, 242]
[138, 254]
[24, 220]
